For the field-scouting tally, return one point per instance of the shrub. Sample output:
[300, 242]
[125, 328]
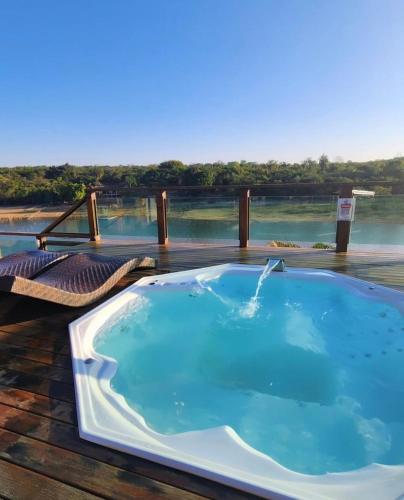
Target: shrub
[284, 244]
[322, 246]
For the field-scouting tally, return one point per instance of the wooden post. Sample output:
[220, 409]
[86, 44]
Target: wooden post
[161, 205]
[244, 218]
[41, 242]
[92, 217]
[343, 226]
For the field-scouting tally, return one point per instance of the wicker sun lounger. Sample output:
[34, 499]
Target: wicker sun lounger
[77, 280]
[29, 264]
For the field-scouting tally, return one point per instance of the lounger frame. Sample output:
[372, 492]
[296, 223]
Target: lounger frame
[34, 289]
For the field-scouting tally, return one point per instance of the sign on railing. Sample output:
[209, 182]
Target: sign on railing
[346, 209]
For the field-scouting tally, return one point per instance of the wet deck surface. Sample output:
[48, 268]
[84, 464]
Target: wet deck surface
[41, 454]
[382, 268]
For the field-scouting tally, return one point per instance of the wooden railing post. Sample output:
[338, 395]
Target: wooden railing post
[343, 226]
[41, 242]
[92, 217]
[161, 205]
[244, 217]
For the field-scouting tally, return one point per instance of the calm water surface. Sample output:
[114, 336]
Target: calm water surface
[304, 232]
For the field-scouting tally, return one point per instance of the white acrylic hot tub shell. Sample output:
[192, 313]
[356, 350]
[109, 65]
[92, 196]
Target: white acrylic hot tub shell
[218, 453]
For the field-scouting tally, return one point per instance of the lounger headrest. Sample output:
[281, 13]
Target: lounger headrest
[30, 263]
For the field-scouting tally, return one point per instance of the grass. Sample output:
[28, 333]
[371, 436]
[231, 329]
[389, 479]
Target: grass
[283, 244]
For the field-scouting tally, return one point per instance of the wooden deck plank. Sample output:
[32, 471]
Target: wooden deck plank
[39, 332]
[38, 427]
[37, 385]
[22, 484]
[32, 354]
[29, 367]
[59, 345]
[38, 404]
[80, 471]
[66, 436]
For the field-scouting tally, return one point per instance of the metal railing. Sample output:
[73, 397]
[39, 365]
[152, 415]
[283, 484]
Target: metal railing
[343, 190]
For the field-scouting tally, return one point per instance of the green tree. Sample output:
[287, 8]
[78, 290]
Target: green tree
[323, 161]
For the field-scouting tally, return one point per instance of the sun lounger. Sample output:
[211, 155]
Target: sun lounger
[29, 264]
[76, 281]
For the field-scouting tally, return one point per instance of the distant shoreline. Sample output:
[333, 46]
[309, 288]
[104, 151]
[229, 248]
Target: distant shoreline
[31, 212]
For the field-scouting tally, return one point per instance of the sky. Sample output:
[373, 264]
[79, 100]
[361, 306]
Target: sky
[140, 82]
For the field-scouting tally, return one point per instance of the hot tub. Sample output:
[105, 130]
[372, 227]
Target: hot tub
[289, 384]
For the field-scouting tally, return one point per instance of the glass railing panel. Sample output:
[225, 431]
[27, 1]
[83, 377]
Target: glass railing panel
[77, 222]
[203, 218]
[379, 222]
[15, 244]
[28, 219]
[301, 220]
[127, 216]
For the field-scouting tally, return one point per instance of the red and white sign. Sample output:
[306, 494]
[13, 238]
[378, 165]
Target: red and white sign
[346, 209]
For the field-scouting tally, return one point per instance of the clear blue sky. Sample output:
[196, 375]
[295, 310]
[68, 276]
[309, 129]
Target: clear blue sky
[128, 81]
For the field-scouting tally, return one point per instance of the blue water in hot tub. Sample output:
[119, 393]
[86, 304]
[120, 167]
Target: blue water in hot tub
[312, 377]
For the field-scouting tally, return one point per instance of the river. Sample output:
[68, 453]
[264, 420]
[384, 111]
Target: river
[366, 235]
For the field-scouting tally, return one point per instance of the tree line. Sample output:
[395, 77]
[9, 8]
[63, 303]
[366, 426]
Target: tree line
[67, 183]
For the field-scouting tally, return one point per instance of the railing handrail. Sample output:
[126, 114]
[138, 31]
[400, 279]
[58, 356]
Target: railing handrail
[48, 230]
[230, 187]
[17, 233]
[64, 235]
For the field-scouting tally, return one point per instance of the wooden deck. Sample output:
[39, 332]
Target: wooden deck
[41, 454]
[383, 268]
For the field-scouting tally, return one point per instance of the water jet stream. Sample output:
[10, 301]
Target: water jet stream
[252, 306]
